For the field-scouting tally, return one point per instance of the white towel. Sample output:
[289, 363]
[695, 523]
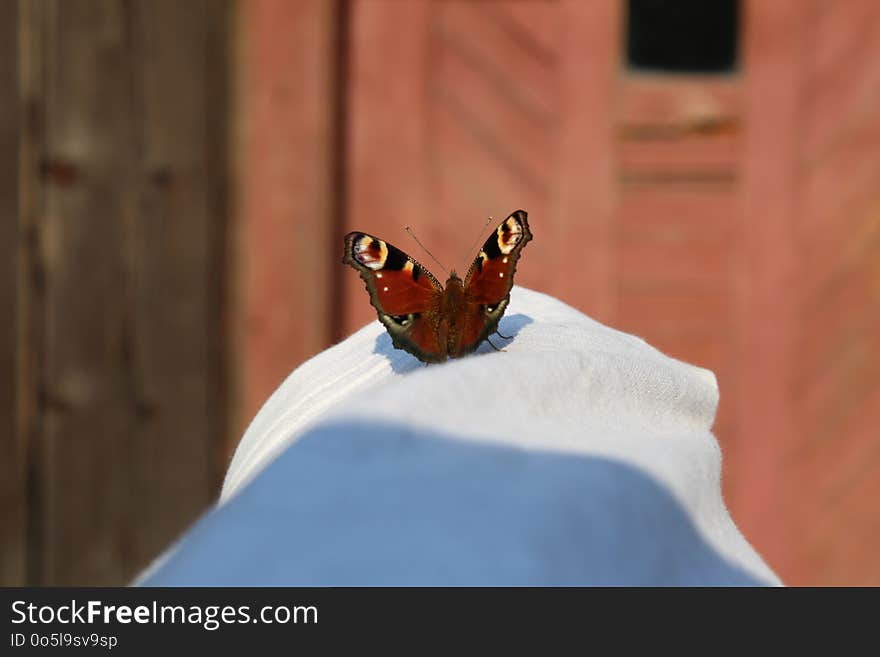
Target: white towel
[579, 455]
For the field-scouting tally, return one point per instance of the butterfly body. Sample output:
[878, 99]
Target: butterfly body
[431, 321]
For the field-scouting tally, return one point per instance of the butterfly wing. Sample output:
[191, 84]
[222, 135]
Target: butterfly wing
[406, 296]
[488, 282]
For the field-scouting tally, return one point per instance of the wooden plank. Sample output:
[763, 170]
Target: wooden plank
[697, 156]
[662, 104]
[679, 127]
[13, 491]
[128, 228]
[767, 270]
[84, 427]
[388, 165]
[31, 274]
[219, 67]
[286, 213]
[585, 201]
[174, 226]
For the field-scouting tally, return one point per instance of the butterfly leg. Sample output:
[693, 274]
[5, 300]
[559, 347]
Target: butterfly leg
[493, 346]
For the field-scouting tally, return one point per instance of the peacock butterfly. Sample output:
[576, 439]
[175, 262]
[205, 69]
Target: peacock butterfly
[429, 321]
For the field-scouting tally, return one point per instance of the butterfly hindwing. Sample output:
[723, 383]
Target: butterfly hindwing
[405, 295]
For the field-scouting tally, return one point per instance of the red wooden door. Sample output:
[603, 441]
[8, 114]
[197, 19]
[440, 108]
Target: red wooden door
[460, 111]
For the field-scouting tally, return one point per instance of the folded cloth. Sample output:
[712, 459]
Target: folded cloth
[579, 455]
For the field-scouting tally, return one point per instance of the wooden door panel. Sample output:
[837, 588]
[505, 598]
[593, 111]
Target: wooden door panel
[463, 110]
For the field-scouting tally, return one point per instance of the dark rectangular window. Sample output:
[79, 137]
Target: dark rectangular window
[683, 36]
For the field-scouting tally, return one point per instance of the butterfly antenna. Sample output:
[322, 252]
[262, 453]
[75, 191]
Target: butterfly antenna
[413, 235]
[471, 248]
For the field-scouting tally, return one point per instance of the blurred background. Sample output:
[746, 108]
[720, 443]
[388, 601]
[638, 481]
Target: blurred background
[176, 177]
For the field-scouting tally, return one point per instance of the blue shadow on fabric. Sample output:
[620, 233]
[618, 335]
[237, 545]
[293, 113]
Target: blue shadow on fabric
[355, 505]
[402, 362]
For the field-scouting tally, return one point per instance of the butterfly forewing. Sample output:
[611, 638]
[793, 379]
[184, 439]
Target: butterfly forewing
[405, 295]
[397, 284]
[491, 275]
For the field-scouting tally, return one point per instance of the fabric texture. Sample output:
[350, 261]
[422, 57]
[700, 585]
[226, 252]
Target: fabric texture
[579, 455]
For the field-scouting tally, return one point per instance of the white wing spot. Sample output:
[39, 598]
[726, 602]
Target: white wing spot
[364, 252]
[506, 244]
[501, 274]
[505, 260]
[379, 275]
[385, 289]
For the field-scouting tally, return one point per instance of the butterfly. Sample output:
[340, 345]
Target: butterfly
[430, 321]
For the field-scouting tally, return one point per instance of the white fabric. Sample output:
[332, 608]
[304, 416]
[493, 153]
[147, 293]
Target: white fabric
[579, 455]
